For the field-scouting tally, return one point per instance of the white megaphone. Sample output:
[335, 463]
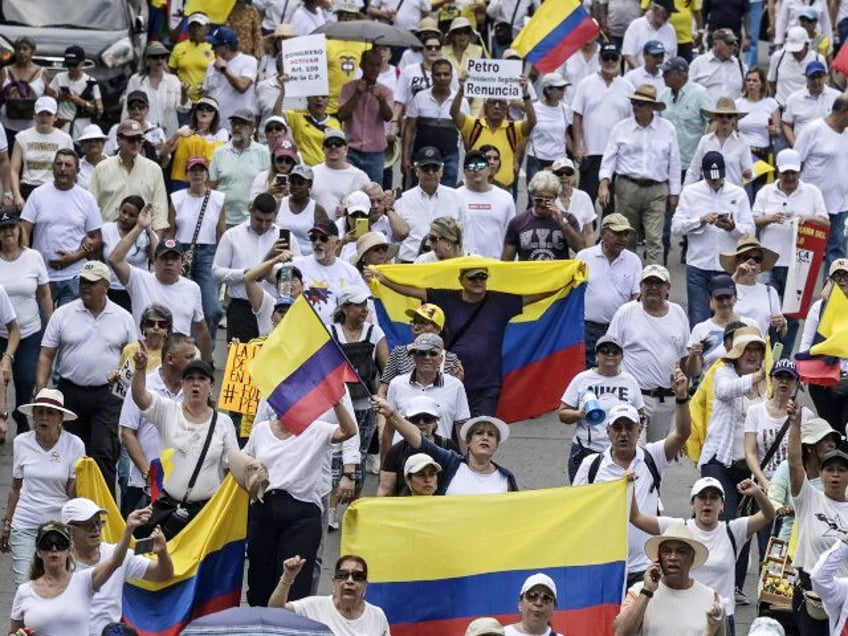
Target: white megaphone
[592, 407]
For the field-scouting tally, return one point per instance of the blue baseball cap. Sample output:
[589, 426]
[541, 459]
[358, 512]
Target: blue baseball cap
[222, 35]
[654, 47]
[784, 366]
[815, 67]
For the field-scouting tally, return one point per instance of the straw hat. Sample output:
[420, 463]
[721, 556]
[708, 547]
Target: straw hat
[742, 337]
[647, 93]
[282, 31]
[370, 240]
[677, 532]
[50, 399]
[723, 106]
[747, 244]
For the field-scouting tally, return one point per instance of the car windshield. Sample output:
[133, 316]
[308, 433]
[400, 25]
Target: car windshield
[101, 15]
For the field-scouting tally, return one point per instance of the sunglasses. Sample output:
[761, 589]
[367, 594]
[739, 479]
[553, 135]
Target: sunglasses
[428, 352]
[60, 544]
[136, 106]
[610, 57]
[479, 276]
[544, 597]
[276, 128]
[357, 575]
[433, 47]
[639, 103]
[284, 159]
[433, 238]
[132, 140]
[157, 324]
[543, 200]
[314, 236]
[725, 116]
[609, 351]
[334, 143]
[422, 419]
[161, 56]
[476, 166]
[430, 168]
[205, 108]
[757, 258]
[568, 172]
[839, 277]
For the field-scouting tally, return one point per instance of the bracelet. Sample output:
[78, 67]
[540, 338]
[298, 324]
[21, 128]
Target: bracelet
[351, 476]
[681, 400]
[11, 356]
[647, 593]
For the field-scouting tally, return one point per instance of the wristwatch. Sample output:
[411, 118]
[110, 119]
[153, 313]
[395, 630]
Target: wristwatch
[351, 476]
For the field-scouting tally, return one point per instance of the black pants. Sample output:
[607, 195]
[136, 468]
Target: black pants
[277, 529]
[121, 297]
[96, 424]
[807, 626]
[831, 406]
[241, 322]
[483, 401]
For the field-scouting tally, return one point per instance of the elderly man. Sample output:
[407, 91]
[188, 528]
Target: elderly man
[653, 333]
[614, 273]
[788, 64]
[668, 600]
[138, 435]
[537, 602]
[642, 151]
[164, 285]
[485, 211]
[87, 336]
[129, 173]
[336, 177]
[84, 519]
[421, 204]
[649, 462]
[600, 102]
[806, 105]
[651, 71]
[493, 128]
[712, 215]
[654, 25]
[62, 223]
[230, 76]
[235, 165]
[720, 70]
[324, 274]
[824, 156]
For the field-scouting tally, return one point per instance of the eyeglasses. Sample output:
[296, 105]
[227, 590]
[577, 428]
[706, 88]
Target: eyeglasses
[609, 351]
[753, 256]
[476, 166]
[284, 159]
[205, 108]
[422, 419]
[430, 168]
[343, 575]
[132, 140]
[479, 276]
[426, 352]
[274, 128]
[544, 597]
[433, 47]
[93, 524]
[314, 236]
[568, 172]
[334, 143]
[157, 324]
[161, 56]
[839, 276]
[136, 106]
[60, 544]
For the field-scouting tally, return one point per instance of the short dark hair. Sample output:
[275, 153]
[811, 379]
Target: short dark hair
[353, 557]
[173, 341]
[158, 310]
[134, 200]
[441, 62]
[67, 152]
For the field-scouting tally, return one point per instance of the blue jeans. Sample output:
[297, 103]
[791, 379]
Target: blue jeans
[697, 292]
[835, 241]
[450, 170]
[64, 291]
[756, 16]
[842, 30]
[777, 279]
[23, 375]
[201, 273]
[371, 163]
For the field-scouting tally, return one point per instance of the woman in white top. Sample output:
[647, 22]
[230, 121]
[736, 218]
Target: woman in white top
[200, 235]
[443, 242]
[141, 253]
[299, 212]
[345, 612]
[275, 180]
[56, 600]
[724, 139]
[9, 343]
[24, 277]
[163, 89]
[574, 201]
[24, 70]
[43, 462]
[549, 137]
[762, 119]
[708, 503]
[183, 428]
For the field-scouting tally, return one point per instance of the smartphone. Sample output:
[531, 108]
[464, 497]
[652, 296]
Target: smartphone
[65, 89]
[285, 235]
[724, 217]
[362, 226]
[144, 546]
[281, 180]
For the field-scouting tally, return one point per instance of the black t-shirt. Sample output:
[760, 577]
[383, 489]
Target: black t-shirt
[537, 238]
[398, 454]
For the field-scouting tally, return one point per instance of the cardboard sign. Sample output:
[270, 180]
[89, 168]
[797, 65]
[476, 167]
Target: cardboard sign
[123, 381]
[493, 79]
[238, 393]
[305, 62]
[804, 266]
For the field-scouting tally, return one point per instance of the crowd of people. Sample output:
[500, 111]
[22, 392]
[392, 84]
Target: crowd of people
[218, 200]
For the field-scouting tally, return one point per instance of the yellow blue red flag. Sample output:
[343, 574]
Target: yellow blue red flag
[543, 346]
[436, 563]
[208, 557]
[301, 370]
[833, 326]
[554, 33]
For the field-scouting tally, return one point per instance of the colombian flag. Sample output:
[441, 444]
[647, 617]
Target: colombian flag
[554, 33]
[436, 563]
[301, 371]
[208, 557]
[543, 346]
[833, 326]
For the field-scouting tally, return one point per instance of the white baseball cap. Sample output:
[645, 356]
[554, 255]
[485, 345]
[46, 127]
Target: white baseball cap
[80, 509]
[796, 38]
[45, 104]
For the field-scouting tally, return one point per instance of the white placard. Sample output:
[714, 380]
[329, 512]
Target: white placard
[493, 79]
[305, 62]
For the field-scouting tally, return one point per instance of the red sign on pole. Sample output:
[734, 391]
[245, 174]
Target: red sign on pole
[804, 265]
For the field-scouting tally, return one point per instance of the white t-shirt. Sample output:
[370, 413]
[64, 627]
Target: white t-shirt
[821, 521]
[754, 126]
[299, 224]
[229, 99]
[408, 14]
[138, 256]
[21, 278]
[511, 630]
[610, 390]
[182, 298]
[765, 427]
[320, 608]
[321, 283]
[331, 185]
[548, 136]
[718, 571]
[676, 612]
[187, 211]
[7, 312]
[602, 106]
[106, 604]
[758, 302]
[824, 154]
[713, 334]
[580, 205]
[67, 109]
[63, 615]
[45, 474]
[187, 441]
[38, 152]
[294, 464]
[484, 217]
[467, 482]
[447, 391]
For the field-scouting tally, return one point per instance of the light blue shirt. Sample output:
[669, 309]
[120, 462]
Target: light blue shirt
[685, 113]
[234, 172]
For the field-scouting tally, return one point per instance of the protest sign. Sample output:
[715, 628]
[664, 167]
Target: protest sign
[305, 63]
[238, 393]
[493, 79]
[804, 265]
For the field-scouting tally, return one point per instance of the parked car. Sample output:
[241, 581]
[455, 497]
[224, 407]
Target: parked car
[113, 34]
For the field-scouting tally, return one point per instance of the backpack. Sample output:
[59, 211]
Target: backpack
[649, 462]
[19, 97]
[361, 357]
[477, 130]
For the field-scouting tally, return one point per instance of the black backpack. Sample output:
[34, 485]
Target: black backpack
[649, 462]
[361, 357]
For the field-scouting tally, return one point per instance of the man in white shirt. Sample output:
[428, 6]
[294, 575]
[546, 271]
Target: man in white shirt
[485, 209]
[654, 25]
[508, 18]
[335, 177]
[809, 103]
[650, 73]
[427, 201]
[404, 14]
[642, 151]
[787, 65]
[85, 339]
[230, 76]
[719, 70]
[614, 273]
[712, 214]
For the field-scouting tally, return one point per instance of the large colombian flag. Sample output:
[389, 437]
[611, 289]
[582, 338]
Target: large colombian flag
[554, 33]
[543, 346]
[301, 370]
[436, 563]
[208, 557]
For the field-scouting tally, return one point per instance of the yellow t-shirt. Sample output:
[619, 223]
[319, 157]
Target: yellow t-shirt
[189, 62]
[309, 138]
[191, 146]
[681, 20]
[499, 139]
[342, 62]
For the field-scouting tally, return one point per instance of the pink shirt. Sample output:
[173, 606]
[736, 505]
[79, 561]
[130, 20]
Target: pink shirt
[365, 129]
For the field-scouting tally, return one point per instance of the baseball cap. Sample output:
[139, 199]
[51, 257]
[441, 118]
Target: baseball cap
[609, 49]
[223, 35]
[285, 147]
[275, 119]
[561, 163]
[655, 271]
[796, 38]
[422, 405]
[198, 17]
[244, 114]
[94, 271]
[130, 127]
[484, 626]
[199, 366]
[429, 311]
[419, 461]
[722, 285]
[654, 47]
[426, 342]
[725, 35]
[839, 265]
[815, 67]
[784, 366]
[808, 13]
[325, 227]
[332, 133]
[428, 156]
[74, 54]
[553, 80]
[283, 301]
[168, 245]
[816, 429]
[80, 509]
[53, 527]
[358, 202]
[608, 339]
[788, 159]
[354, 294]
[196, 160]
[706, 482]
[675, 64]
[712, 165]
[616, 222]
[474, 156]
[538, 579]
[834, 455]
[623, 411]
[302, 170]
[45, 104]
[10, 216]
